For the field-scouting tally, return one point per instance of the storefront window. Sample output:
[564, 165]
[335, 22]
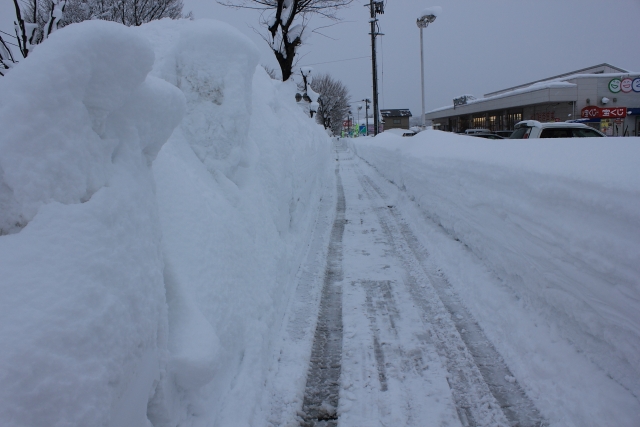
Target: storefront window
[480, 122]
[463, 124]
[495, 123]
[512, 119]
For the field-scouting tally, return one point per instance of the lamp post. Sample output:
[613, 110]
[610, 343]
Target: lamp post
[359, 108]
[427, 17]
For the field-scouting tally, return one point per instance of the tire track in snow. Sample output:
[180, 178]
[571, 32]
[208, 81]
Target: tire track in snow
[321, 394]
[392, 374]
[480, 380]
[380, 304]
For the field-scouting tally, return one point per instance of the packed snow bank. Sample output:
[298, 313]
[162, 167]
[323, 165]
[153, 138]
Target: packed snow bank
[134, 294]
[557, 221]
[238, 186]
[83, 312]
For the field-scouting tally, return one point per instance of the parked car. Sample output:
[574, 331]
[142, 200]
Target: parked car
[401, 132]
[486, 135]
[534, 129]
[504, 133]
[476, 130]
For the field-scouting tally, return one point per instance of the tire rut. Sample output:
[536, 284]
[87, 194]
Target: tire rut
[485, 391]
[321, 394]
[380, 306]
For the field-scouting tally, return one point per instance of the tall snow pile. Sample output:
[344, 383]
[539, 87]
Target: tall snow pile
[154, 186]
[556, 221]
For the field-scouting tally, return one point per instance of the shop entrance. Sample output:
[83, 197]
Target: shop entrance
[612, 127]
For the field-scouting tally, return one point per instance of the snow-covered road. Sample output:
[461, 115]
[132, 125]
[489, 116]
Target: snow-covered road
[392, 339]
[180, 245]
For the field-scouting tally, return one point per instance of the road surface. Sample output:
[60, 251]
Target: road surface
[375, 334]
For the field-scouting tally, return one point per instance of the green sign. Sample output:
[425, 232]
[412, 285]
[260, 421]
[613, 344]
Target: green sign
[614, 85]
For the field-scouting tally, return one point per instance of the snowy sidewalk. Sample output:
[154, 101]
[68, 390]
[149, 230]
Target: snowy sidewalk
[401, 360]
[412, 353]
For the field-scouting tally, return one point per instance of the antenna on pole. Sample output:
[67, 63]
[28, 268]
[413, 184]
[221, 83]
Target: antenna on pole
[375, 8]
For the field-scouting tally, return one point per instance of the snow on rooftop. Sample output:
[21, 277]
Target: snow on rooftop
[532, 88]
[546, 84]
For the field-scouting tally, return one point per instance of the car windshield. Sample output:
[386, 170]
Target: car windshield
[520, 133]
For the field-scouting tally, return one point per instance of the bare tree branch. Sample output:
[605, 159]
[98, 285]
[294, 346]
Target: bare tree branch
[287, 23]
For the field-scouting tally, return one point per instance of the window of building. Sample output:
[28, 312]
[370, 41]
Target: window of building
[512, 119]
[544, 116]
[480, 122]
[396, 121]
[494, 123]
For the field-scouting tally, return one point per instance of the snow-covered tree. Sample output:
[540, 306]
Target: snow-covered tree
[287, 22]
[127, 12]
[37, 19]
[334, 102]
[32, 26]
[6, 57]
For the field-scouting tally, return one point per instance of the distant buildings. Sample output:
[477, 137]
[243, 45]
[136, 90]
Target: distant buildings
[603, 96]
[396, 119]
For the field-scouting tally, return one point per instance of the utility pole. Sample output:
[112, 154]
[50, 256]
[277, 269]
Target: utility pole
[375, 7]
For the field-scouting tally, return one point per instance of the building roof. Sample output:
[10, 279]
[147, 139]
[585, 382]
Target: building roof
[603, 68]
[557, 87]
[399, 112]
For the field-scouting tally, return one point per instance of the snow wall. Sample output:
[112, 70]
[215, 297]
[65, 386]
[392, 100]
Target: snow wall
[156, 191]
[556, 221]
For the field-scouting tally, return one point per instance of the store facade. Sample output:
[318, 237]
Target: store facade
[603, 96]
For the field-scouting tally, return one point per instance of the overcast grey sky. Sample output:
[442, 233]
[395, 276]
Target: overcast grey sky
[474, 47]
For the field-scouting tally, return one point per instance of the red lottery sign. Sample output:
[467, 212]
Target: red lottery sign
[590, 112]
[603, 113]
[613, 112]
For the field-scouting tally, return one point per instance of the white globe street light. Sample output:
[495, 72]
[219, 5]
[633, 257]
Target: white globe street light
[427, 17]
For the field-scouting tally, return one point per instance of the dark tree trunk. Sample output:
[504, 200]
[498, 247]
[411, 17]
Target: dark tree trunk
[286, 63]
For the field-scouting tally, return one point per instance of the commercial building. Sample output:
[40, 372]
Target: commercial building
[603, 96]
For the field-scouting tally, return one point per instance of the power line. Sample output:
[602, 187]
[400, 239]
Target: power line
[12, 44]
[10, 35]
[339, 60]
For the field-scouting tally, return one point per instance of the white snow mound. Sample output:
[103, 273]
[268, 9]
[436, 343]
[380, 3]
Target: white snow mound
[154, 188]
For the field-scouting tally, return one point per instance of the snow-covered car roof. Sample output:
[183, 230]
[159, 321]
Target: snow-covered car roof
[401, 132]
[537, 124]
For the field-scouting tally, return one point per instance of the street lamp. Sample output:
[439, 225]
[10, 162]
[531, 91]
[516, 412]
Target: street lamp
[427, 17]
[359, 108]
